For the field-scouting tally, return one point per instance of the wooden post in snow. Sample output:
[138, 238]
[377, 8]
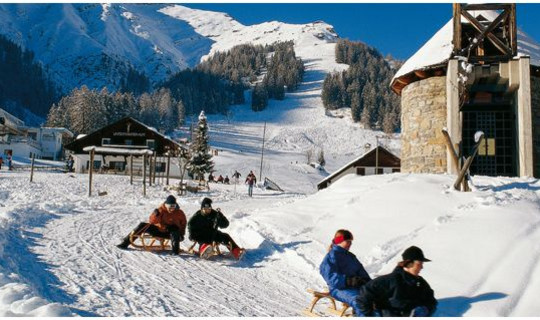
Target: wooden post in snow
[90, 171]
[144, 175]
[32, 170]
[155, 169]
[131, 169]
[468, 163]
[451, 149]
[168, 166]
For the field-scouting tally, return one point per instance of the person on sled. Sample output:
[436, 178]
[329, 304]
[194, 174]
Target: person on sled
[203, 229]
[403, 292]
[168, 221]
[342, 271]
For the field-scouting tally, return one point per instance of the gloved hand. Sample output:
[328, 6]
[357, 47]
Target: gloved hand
[420, 311]
[354, 281]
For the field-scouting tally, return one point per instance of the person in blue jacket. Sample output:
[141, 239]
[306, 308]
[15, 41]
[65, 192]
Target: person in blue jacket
[342, 271]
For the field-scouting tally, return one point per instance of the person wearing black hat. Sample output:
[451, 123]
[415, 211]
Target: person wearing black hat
[168, 221]
[402, 293]
[203, 228]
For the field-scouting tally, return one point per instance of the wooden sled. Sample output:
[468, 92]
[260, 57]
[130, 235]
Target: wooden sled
[332, 309]
[149, 243]
[215, 251]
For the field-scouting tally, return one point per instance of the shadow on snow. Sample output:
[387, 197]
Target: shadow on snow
[457, 306]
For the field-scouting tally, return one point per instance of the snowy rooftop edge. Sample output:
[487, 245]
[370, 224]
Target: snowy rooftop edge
[438, 49]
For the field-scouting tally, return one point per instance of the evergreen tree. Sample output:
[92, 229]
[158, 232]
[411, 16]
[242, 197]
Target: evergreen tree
[200, 162]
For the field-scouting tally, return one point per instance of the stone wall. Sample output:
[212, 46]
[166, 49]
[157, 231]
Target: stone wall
[423, 115]
[535, 105]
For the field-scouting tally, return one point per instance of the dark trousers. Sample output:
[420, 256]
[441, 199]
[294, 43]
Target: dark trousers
[220, 237]
[172, 233]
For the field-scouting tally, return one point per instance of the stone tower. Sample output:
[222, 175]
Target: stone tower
[477, 73]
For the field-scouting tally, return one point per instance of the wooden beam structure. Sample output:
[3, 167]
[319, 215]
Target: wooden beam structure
[506, 44]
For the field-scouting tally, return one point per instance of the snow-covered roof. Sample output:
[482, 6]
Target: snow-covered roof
[343, 168]
[118, 151]
[439, 48]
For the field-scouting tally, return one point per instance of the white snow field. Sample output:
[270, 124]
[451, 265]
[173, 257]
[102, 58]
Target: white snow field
[59, 255]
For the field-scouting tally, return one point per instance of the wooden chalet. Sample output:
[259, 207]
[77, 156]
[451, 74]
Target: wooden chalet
[118, 141]
[376, 161]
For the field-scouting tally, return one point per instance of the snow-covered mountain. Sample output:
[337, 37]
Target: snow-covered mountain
[96, 44]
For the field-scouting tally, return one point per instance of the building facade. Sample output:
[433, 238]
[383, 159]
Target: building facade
[484, 91]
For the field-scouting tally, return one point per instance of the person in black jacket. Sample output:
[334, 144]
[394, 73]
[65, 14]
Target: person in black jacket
[402, 293]
[203, 228]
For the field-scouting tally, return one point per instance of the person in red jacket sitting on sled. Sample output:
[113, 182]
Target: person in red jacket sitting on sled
[203, 228]
[167, 221]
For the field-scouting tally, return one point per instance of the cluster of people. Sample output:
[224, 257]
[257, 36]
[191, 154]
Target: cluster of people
[250, 181]
[401, 293]
[220, 179]
[169, 221]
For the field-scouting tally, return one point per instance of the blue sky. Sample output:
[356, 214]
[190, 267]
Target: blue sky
[399, 28]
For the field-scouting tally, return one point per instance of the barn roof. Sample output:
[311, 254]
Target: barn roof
[438, 50]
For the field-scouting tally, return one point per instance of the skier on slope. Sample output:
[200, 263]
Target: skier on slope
[403, 292]
[203, 227]
[342, 271]
[168, 221]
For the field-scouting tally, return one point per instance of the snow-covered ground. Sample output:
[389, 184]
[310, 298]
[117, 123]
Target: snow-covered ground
[57, 245]
[58, 253]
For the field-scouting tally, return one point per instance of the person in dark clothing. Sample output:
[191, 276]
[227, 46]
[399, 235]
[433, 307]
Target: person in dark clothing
[203, 228]
[226, 180]
[250, 181]
[210, 177]
[402, 293]
[342, 271]
[167, 221]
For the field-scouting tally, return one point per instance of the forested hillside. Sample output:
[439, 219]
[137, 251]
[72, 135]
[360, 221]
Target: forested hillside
[23, 83]
[212, 86]
[363, 87]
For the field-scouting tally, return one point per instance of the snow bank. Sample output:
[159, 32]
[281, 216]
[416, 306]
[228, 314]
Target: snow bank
[17, 298]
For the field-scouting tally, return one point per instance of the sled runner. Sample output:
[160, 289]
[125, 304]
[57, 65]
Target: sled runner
[332, 309]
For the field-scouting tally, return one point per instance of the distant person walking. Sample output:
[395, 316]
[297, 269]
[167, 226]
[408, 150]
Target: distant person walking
[250, 181]
[9, 162]
[1, 161]
[236, 176]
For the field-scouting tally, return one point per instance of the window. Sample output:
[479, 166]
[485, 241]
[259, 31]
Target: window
[160, 166]
[128, 142]
[105, 141]
[380, 170]
[361, 171]
[97, 164]
[395, 170]
[151, 144]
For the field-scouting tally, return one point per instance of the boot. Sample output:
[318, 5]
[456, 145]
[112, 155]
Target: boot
[238, 253]
[205, 250]
[124, 245]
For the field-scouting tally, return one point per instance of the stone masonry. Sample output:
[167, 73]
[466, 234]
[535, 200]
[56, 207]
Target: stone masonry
[423, 115]
[535, 105]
